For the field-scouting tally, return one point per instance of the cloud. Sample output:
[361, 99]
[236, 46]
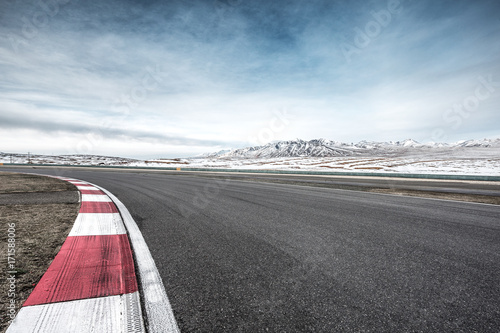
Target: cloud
[224, 67]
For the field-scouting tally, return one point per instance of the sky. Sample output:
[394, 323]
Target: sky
[152, 79]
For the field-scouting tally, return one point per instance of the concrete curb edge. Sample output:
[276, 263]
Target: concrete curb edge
[159, 314]
[109, 310]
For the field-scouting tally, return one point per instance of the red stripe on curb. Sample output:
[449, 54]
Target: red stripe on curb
[96, 192]
[98, 207]
[87, 267]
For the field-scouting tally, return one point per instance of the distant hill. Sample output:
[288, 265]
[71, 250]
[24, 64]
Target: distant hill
[328, 148]
[64, 159]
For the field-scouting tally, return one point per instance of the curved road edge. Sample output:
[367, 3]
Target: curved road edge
[159, 314]
[91, 284]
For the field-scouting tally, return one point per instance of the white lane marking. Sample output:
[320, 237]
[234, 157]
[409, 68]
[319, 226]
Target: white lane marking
[120, 313]
[91, 224]
[159, 312]
[96, 198]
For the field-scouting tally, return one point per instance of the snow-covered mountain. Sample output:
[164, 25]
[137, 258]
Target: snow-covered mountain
[296, 148]
[328, 148]
[471, 157]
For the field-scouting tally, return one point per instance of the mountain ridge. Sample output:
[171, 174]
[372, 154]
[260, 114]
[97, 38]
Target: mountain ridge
[328, 148]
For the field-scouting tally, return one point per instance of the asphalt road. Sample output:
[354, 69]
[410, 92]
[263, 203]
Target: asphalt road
[242, 256]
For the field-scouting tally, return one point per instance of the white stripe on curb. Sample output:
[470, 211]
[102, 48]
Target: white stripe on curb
[78, 183]
[82, 187]
[96, 198]
[159, 314]
[102, 314]
[89, 224]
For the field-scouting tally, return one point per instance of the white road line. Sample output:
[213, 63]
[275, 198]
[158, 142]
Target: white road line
[91, 224]
[159, 314]
[102, 314]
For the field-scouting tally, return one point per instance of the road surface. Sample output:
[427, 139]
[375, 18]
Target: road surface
[243, 256]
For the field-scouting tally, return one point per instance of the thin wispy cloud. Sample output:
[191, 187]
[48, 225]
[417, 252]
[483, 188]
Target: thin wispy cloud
[180, 78]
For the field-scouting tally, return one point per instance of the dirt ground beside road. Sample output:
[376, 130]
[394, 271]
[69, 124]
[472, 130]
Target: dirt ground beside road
[18, 182]
[35, 233]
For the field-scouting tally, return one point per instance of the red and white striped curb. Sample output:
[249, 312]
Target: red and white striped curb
[158, 311]
[91, 284]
